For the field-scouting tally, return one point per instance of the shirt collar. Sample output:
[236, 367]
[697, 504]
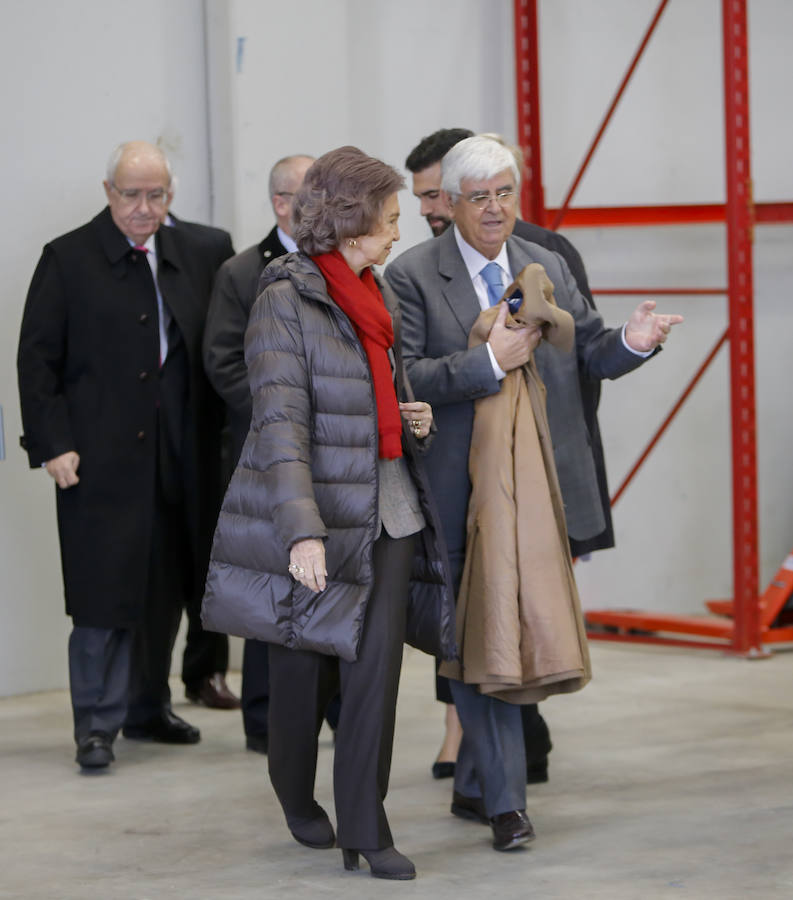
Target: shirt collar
[149, 245]
[286, 240]
[475, 261]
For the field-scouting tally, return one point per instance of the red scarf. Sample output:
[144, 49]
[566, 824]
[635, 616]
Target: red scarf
[360, 299]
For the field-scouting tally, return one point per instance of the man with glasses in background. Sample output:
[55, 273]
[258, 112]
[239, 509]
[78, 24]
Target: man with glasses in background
[116, 406]
[443, 285]
[205, 660]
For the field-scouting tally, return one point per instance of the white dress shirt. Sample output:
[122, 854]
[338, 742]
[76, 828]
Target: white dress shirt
[286, 240]
[163, 316]
[475, 262]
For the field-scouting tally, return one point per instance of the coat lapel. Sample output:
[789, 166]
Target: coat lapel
[170, 278]
[518, 255]
[458, 291]
[271, 247]
[114, 245]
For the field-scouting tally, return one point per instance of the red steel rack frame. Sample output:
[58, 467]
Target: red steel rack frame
[746, 624]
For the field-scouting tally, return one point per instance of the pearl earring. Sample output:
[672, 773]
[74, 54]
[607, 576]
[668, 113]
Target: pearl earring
[352, 242]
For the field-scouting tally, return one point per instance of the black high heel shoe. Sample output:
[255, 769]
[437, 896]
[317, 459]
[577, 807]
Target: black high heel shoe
[386, 863]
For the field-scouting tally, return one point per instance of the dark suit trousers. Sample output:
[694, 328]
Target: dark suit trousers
[170, 564]
[256, 691]
[255, 688]
[99, 663]
[301, 683]
[205, 652]
[491, 762]
[536, 735]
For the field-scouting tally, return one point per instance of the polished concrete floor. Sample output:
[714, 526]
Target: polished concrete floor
[671, 776]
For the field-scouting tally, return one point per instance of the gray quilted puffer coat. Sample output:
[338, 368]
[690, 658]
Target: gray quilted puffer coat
[309, 470]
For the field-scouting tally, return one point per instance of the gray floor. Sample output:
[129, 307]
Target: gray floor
[672, 776]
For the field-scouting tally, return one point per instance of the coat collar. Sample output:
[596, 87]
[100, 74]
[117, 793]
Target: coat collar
[168, 247]
[271, 247]
[115, 245]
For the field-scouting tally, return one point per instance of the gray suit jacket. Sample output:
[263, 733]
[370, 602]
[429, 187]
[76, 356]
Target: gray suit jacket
[439, 308]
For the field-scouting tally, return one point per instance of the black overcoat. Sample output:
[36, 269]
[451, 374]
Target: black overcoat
[233, 294]
[89, 382]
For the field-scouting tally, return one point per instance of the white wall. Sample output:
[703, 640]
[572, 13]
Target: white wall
[77, 78]
[314, 74]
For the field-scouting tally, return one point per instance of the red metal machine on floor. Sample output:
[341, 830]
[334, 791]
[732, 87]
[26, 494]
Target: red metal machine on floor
[745, 624]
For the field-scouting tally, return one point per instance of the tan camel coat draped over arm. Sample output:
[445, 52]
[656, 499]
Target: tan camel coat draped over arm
[520, 630]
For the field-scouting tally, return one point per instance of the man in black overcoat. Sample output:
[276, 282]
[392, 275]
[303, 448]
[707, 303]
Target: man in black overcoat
[206, 653]
[116, 406]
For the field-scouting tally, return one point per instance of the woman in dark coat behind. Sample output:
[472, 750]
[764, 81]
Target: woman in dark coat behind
[327, 526]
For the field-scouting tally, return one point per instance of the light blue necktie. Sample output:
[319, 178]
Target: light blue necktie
[492, 275]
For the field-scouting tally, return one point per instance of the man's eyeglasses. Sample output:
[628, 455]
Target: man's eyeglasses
[481, 199]
[133, 196]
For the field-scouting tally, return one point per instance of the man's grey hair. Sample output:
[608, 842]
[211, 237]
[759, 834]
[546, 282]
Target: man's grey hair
[281, 178]
[118, 152]
[477, 158]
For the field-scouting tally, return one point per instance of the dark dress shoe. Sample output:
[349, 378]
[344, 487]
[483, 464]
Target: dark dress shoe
[95, 751]
[315, 832]
[386, 863]
[511, 829]
[257, 742]
[469, 808]
[167, 728]
[537, 772]
[213, 692]
[443, 769]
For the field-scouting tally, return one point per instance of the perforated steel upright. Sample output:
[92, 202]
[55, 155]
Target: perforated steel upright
[740, 626]
[527, 96]
[740, 226]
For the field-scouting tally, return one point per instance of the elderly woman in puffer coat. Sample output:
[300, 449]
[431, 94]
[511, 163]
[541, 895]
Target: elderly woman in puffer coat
[327, 545]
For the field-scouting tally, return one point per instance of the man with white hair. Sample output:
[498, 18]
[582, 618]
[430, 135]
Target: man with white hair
[116, 406]
[443, 285]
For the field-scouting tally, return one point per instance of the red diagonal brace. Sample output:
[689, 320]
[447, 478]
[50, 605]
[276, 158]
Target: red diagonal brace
[607, 118]
[672, 413]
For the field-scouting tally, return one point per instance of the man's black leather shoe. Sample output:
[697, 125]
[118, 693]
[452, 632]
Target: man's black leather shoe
[443, 769]
[511, 829]
[167, 728]
[469, 808]
[257, 742]
[213, 692]
[95, 751]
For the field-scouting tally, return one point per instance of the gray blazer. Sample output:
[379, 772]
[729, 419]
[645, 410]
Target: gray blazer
[439, 307]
